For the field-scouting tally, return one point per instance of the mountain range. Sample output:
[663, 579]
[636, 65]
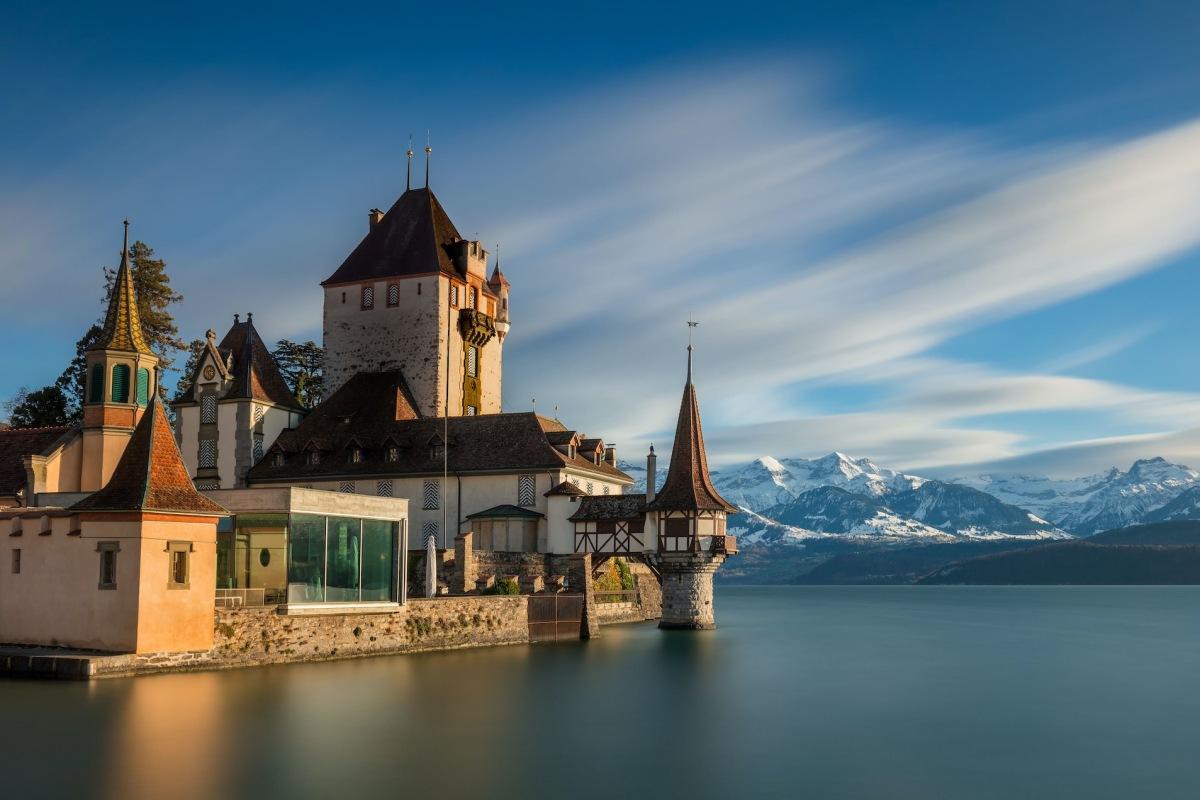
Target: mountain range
[796, 501]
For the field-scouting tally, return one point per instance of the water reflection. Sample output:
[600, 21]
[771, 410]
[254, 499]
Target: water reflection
[820, 692]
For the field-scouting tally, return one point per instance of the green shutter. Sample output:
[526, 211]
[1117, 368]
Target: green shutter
[143, 395]
[96, 389]
[120, 383]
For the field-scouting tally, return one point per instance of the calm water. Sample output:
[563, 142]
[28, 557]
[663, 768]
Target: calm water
[819, 692]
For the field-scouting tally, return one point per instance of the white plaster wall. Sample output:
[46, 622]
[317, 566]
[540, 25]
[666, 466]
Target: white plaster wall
[187, 422]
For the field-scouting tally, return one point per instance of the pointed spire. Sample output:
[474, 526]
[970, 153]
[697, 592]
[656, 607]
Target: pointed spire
[122, 324]
[151, 475]
[688, 486]
[428, 153]
[409, 154]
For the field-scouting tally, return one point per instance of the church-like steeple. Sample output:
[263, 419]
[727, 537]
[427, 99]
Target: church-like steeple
[688, 486]
[122, 323]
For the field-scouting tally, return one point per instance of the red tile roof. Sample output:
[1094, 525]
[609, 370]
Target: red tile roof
[150, 475]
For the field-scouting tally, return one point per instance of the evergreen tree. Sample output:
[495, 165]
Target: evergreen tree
[302, 365]
[195, 350]
[38, 409]
[155, 298]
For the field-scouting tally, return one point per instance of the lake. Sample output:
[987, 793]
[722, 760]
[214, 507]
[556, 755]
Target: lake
[822, 692]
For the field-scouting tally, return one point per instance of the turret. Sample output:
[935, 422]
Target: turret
[500, 285]
[121, 379]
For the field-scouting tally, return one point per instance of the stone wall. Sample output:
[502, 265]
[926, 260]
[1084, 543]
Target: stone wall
[687, 590]
[252, 636]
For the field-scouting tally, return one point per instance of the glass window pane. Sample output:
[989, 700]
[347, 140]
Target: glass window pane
[342, 558]
[378, 559]
[261, 554]
[306, 559]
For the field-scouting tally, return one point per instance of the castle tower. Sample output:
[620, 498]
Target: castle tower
[690, 517]
[412, 290]
[500, 286]
[121, 380]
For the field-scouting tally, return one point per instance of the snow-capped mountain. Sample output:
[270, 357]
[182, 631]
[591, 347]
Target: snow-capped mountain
[791, 500]
[767, 481]
[1089, 505]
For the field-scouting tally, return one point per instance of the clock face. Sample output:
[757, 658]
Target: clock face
[209, 372]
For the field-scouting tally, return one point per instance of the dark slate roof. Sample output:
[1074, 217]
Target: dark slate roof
[373, 411]
[610, 506]
[506, 511]
[15, 444]
[688, 486]
[150, 475]
[414, 237]
[567, 488]
[255, 374]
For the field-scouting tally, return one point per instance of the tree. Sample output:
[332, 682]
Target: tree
[195, 351]
[155, 298]
[42, 408]
[302, 365]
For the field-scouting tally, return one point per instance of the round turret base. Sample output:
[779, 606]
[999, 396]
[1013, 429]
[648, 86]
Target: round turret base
[687, 590]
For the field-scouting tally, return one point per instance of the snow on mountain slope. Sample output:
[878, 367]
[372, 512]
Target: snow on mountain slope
[766, 481]
[1089, 505]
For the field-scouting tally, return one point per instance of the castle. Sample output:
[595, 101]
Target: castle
[256, 500]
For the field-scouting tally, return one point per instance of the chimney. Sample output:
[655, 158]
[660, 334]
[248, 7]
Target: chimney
[374, 215]
[651, 475]
[610, 455]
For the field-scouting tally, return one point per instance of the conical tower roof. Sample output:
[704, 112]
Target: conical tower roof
[151, 475]
[688, 486]
[122, 323]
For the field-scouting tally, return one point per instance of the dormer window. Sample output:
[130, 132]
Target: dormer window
[277, 460]
[393, 453]
[314, 457]
[356, 455]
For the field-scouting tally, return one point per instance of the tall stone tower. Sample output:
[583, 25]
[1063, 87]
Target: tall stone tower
[121, 379]
[415, 296]
[690, 517]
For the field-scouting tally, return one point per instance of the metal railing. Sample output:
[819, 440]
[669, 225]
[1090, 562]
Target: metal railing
[238, 598]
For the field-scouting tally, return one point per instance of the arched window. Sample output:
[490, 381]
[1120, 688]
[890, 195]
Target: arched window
[96, 388]
[143, 388]
[120, 383]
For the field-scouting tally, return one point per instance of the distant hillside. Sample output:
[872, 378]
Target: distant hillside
[1183, 532]
[902, 564]
[1079, 562]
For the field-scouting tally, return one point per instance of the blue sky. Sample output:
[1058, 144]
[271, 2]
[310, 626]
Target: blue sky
[946, 236]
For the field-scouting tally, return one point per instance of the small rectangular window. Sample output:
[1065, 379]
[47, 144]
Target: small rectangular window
[454, 295]
[429, 530]
[368, 297]
[472, 361]
[471, 411]
[431, 495]
[16, 562]
[178, 556]
[393, 453]
[208, 452]
[208, 409]
[108, 563]
[393, 294]
[383, 488]
[526, 490]
[346, 487]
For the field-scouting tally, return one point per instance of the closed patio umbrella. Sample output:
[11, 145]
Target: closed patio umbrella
[430, 566]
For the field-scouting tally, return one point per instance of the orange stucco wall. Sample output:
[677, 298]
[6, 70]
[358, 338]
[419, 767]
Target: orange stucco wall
[55, 600]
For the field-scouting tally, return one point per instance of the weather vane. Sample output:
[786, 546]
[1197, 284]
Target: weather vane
[691, 324]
